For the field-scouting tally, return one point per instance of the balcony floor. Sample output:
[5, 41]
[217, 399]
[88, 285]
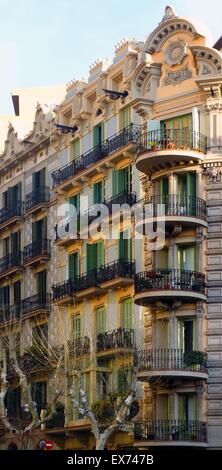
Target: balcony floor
[146, 298]
[150, 161]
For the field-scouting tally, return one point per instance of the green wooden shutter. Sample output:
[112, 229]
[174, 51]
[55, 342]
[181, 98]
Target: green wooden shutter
[164, 190]
[115, 182]
[75, 201]
[10, 197]
[19, 192]
[75, 149]
[100, 254]
[89, 257]
[100, 320]
[41, 282]
[42, 177]
[34, 232]
[121, 381]
[125, 118]
[126, 314]
[44, 228]
[182, 413]
[71, 266]
[121, 246]
[77, 327]
[122, 181]
[33, 181]
[98, 135]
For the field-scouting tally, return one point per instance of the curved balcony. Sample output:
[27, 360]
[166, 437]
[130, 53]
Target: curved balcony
[170, 432]
[167, 363]
[166, 148]
[172, 209]
[169, 284]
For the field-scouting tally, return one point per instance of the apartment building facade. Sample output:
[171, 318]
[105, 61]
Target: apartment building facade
[144, 130]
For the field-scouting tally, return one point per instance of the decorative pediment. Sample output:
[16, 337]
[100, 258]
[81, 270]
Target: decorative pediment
[12, 145]
[209, 61]
[165, 30]
[40, 125]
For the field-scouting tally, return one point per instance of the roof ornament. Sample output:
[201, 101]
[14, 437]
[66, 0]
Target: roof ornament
[169, 13]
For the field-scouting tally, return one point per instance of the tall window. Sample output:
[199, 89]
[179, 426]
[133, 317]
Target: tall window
[100, 320]
[75, 149]
[39, 230]
[125, 118]
[187, 335]
[122, 180]
[126, 319]
[41, 283]
[98, 192]
[39, 395]
[12, 195]
[125, 246]
[187, 257]
[75, 201]
[38, 179]
[73, 264]
[76, 327]
[95, 255]
[98, 134]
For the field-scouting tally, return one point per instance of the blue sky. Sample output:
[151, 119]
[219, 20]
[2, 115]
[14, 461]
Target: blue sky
[45, 42]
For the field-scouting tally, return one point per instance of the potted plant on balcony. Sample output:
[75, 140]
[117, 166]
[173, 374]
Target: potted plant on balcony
[194, 358]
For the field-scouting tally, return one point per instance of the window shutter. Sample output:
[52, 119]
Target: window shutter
[10, 197]
[34, 181]
[115, 182]
[100, 320]
[164, 187]
[100, 254]
[42, 177]
[19, 192]
[95, 136]
[71, 266]
[96, 193]
[181, 407]
[44, 228]
[87, 386]
[121, 246]
[126, 314]
[77, 327]
[75, 149]
[34, 232]
[89, 261]
[122, 181]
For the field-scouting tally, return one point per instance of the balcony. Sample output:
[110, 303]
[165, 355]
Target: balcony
[11, 264]
[125, 197]
[169, 284]
[125, 138]
[37, 251]
[35, 363]
[11, 215]
[79, 347]
[156, 363]
[116, 274]
[170, 432]
[37, 199]
[111, 341]
[39, 303]
[9, 313]
[167, 148]
[172, 209]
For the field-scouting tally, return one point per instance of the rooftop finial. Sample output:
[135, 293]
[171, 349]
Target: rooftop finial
[169, 13]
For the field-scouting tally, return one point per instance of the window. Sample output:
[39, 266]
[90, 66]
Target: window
[38, 179]
[75, 201]
[17, 294]
[6, 245]
[75, 149]
[126, 314]
[16, 242]
[103, 385]
[41, 283]
[100, 320]
[95, 255]
[187, 258]
[40, 336]
[187, 407]
[13, 403]
[98, 134]
[73, 263]
[124, 377]
[125, 246]
[125, 118]
[12, 195]
[5, 295]
[180, 122]
[39, 395]
[98, 192]
[122, 180]
[76, 327]
[187, 335]
[39, 230]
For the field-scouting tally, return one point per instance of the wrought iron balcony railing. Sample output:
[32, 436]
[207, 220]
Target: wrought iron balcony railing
[170, 430]
[39, 301]
[122, 138]
[36, 197]
[125, 197]
[35, 361]
[170, 360]
[170, 279]
[37, 248]
[119, 268]
[175, 205]
[107, 272]
[172, 139]
[10, 261]
[15, 210]
[79, 346]
[120, 338]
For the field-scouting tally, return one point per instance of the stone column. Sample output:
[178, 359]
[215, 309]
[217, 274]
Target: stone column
[200, 399]
[173, 341]
[199, 184]
[153, 316]
[171, 180]
[199, 316]
[171, 254]
[200, 239]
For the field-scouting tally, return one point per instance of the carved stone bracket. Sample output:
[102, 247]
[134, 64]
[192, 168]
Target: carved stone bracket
[213, 171]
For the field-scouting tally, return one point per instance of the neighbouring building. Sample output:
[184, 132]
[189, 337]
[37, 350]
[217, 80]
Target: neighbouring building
[146, 128]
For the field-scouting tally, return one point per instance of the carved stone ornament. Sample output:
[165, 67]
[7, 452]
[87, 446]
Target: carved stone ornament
[179, 76]
[169, 13]
[176, 52]
[214, 173]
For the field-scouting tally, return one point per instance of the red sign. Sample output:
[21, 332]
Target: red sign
[48, 445]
